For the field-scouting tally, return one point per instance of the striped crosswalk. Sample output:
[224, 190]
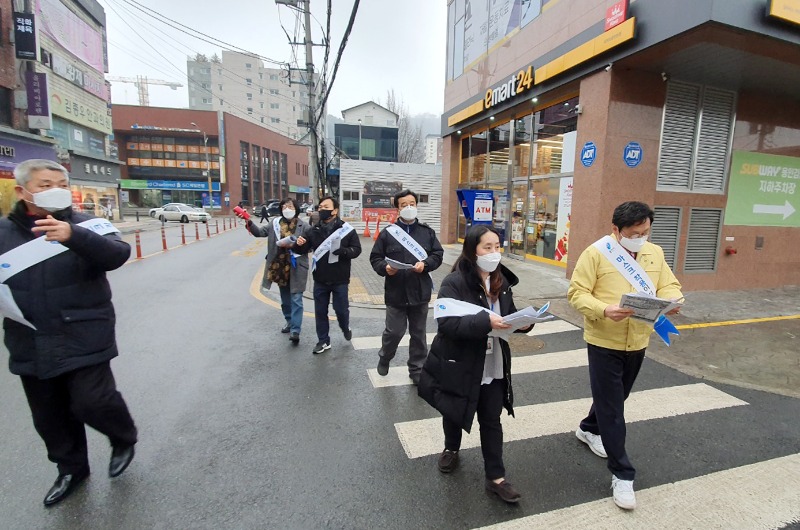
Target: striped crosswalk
[751, 498]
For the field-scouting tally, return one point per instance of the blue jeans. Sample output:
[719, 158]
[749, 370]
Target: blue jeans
[292, 307]
[341, 306]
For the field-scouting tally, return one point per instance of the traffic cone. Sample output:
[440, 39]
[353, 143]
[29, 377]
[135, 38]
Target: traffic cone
[377, 229]
[366, 229]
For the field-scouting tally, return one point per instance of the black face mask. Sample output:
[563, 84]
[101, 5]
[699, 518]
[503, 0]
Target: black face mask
[324, 215]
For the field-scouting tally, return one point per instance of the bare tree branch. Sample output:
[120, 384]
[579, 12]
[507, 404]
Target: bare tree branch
[410, 148]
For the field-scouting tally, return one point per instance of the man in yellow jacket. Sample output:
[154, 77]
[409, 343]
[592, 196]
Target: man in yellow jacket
[616, 344]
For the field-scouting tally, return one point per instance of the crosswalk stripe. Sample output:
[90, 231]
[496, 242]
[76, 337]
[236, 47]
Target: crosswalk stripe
[374, 343]
[398, 376]
[757, 495]
[425, 437]
[551, 326]
[543, 328]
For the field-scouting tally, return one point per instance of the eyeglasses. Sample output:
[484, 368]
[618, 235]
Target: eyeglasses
[634, 236]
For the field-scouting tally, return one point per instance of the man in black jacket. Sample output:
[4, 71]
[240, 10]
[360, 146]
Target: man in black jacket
[335, 244]
[407, 291]
[62, 346]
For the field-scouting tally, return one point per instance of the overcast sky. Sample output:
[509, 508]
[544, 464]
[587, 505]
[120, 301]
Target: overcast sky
[393, 44]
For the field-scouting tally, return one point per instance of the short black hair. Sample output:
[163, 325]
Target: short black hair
[404, 193]
[334, 200]
[631, 213]
[289, 200]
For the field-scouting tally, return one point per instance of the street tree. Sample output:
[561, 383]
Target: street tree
[410, 147]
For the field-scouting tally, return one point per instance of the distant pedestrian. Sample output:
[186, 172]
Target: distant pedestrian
[407, 291]
[335, 245]
[616, 343]
[264, 214]
[63, 356]
[286, 263]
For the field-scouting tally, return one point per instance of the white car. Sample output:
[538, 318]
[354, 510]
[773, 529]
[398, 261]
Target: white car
[155, 212]
[182, 213]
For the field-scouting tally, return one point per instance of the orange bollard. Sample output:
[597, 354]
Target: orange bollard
[377, 229]
[163, 238]
[216, 225]
[196, 232]
[208, 230]
[366, 229]
[138, 245]
[183, 236]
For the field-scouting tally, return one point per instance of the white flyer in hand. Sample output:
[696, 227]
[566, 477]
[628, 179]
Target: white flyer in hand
[647, 308]
[399, 265]
[336, 244]
[287, 242]
[522, 319]
[9, 307]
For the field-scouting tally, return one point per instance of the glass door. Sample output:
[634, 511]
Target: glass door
[519, 208]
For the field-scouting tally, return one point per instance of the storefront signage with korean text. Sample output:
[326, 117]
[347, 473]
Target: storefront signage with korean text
[25, 37]
[763, 190]
[76, 105]
[166, 185]
[39, 116]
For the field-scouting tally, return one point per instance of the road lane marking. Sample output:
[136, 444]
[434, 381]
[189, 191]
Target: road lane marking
[737, 322]
[542, 362]
[551, 326]
[760, 495]
[425, 437]
[543, 328]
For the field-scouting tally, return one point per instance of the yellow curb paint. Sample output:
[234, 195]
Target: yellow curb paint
[737, 322]
[255, 292]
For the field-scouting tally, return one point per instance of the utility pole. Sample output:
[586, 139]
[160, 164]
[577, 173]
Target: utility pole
[317, 183]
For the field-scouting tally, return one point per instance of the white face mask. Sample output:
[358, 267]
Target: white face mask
[489, 262]
[634, 245]
[409, 213]
[288, 214]
[52, 200]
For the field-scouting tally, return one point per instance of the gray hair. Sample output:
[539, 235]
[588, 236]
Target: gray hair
[24, 171]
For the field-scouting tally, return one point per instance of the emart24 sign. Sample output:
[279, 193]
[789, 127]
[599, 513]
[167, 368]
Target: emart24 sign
[763, 190]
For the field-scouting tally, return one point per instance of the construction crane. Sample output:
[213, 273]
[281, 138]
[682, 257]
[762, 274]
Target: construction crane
[141, 82]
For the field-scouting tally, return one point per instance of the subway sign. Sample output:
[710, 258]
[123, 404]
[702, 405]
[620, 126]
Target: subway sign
[521, 82]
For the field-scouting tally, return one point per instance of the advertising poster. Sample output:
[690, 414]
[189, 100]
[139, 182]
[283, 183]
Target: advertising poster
[564, 216]
[762, 190]
[476, 30]
[376, 201]
[504, 16]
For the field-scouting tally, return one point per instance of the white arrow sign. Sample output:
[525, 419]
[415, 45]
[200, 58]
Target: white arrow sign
[784, 209]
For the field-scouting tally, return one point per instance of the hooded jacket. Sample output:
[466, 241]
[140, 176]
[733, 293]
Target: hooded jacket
[67, 297]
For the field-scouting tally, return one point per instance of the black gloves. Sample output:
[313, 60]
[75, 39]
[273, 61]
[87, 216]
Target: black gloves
[340, 252]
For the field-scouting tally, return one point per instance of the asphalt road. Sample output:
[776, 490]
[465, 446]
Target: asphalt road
[239, 429]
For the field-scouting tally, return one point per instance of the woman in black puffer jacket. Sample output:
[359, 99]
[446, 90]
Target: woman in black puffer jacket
[468, 372]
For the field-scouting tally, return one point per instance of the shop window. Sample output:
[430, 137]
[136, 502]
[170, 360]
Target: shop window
[478, 147]
[499, 149]
[665, 232]
[424, 198]
[522, 147]
[695, 138]
[350, 195]
[702, 243]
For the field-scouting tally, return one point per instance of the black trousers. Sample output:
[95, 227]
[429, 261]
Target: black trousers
[612, 374]
[490, 406]
[62, 405]
[397, 318]
[341, 306]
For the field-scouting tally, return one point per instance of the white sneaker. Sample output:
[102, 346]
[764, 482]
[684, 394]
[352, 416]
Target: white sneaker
[623, 493]
[594, 442]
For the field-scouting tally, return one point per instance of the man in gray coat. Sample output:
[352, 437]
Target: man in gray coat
[287, 263]
[62, 346]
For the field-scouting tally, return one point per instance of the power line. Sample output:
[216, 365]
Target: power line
[338, 60]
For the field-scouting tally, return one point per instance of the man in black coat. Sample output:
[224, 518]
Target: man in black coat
[331, 278]
[407, 291]
[64, 363]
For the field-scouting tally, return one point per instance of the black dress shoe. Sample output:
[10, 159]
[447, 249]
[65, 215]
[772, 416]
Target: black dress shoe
[63, 486]
[286, 329]
[120, 459]
[295, 338]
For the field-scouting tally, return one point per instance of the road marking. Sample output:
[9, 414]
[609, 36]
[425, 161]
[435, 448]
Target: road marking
[735, 322]
[374, 343]
[551, 326]
[543, 328]
[425, 437]
[542, 362]
[757, 495]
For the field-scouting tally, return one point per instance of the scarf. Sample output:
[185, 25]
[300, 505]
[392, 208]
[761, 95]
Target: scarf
[281, 267]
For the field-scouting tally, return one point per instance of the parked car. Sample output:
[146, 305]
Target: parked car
[183, 213]
[154, 212]
[273, 208]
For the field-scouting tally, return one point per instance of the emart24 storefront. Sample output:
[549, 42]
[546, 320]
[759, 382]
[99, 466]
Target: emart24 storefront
[654, 118]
